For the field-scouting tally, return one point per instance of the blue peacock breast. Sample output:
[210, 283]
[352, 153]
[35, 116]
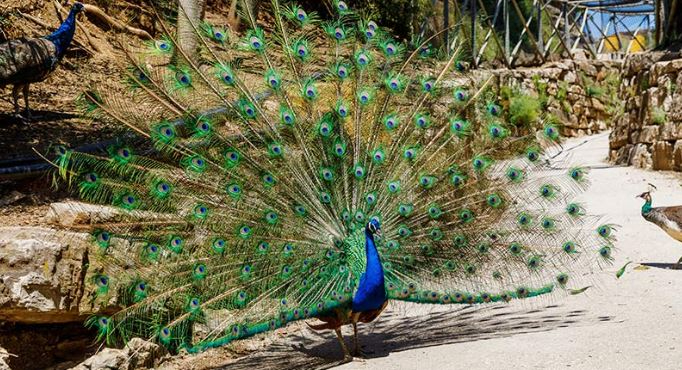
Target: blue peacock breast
[368, 274]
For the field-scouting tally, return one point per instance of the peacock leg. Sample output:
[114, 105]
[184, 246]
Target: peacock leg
[346, 353]
[354, 320]
[15, 98]
[28, 111]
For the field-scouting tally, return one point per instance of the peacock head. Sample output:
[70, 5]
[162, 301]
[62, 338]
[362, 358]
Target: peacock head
[78, 7]
[374, 227]
[646, 196]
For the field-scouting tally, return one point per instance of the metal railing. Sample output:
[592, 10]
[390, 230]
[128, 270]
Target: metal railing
[505, 30]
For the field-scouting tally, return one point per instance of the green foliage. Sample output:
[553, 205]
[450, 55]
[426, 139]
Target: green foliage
[541, 88]
[562, 91]
[594, 91]
[658, 116]
[524, 109]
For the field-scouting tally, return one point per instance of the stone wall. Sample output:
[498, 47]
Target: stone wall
[649, 132]
[581, 93]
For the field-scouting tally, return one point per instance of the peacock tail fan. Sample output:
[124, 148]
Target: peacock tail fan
[266, 154]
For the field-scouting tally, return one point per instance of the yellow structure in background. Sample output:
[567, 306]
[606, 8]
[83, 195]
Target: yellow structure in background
[611, 43]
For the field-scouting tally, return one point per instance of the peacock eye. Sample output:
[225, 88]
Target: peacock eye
[255, 42]
[301, 15]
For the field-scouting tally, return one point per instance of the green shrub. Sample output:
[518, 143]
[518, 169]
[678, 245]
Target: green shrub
[523, 109]
[594, 91]
[658, 116]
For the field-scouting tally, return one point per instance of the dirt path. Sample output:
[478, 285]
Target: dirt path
[630, 323]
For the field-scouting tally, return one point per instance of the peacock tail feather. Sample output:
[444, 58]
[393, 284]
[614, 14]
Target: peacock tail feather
[265, 156]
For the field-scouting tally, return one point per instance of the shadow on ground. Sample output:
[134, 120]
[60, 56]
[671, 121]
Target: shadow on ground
[662, 265]
[395, 332]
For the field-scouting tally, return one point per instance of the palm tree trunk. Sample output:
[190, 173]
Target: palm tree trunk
[190, 12]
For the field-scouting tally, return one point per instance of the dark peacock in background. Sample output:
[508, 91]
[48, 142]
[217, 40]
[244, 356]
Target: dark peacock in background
[25, 61]
[317, 170]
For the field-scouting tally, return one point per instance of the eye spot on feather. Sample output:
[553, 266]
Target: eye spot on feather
[523, 219]
[256, 43]
[532, 155]
[569, 247]
[200, 211]
[436, 234]
[573, 209]
[605, 252]
[460, 241]
[390, 49]
[534, 262]
[604, 231]
[218, 245]
[515, 248]
[102, 281]
[466, 216]
[341, 6]
[301, 15]
[460, 95]
[342, 72]
[91, 177]
[103, 238]
[548, 224]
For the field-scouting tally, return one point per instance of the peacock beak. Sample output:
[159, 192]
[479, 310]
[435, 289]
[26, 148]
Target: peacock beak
[378, 233]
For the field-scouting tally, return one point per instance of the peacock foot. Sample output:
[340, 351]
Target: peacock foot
[361, 354]
[24, 117]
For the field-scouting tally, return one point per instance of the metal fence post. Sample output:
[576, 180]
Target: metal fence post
[473, 32]
[446, 25]
[541, 43]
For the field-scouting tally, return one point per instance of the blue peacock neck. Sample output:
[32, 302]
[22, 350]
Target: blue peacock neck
[63, 36]
[371, 293]
[646, 208]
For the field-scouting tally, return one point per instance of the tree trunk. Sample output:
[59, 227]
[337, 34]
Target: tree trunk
[190, 12]
[673, 33]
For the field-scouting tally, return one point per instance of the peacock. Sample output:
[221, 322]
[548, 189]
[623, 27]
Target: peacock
[316, 169]
[667, 218]
[25, 61]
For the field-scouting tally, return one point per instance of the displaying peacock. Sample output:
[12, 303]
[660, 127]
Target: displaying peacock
[317, 169]
[25, 61]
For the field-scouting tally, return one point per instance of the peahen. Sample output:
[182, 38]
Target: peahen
[317, 170]
[667, 218]
[25, 61]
